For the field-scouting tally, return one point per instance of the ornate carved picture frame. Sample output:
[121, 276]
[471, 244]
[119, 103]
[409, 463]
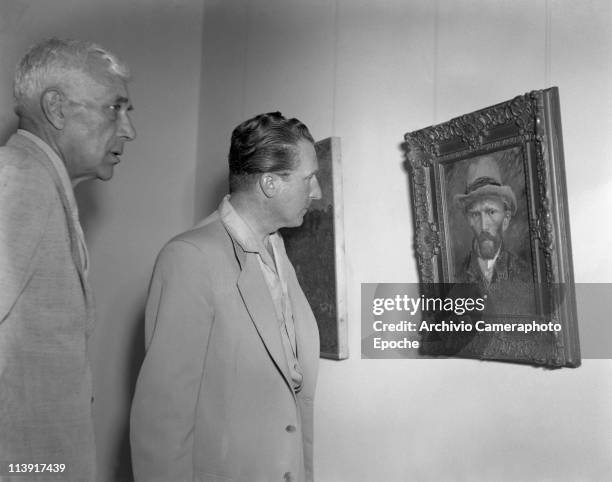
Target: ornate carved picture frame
[491, 219]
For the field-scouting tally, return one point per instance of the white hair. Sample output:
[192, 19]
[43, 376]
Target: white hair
[47, 64]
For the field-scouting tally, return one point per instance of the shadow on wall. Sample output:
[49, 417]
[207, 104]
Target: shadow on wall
[210, 195]
[123, 455]
[7, 131]
[404, 148]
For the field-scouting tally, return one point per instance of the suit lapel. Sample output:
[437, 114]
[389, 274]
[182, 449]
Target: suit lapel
[258, 302]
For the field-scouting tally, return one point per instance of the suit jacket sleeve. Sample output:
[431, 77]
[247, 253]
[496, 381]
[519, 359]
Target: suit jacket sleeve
[179, 317]
[26, 194]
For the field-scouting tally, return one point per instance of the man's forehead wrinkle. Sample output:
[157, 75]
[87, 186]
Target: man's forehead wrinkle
[86, 85]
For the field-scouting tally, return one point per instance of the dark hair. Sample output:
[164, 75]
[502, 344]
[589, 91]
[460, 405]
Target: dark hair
[265, 143]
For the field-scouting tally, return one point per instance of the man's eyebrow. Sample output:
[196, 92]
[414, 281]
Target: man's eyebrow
[124, 100]
[120, 99]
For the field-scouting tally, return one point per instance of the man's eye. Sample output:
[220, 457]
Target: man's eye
[115, 107]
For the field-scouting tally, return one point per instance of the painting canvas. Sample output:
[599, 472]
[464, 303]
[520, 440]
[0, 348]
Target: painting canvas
[516, 236]
[491, 223]
[316, 250]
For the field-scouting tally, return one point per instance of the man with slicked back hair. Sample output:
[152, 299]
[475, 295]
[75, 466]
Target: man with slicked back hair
[226, 389]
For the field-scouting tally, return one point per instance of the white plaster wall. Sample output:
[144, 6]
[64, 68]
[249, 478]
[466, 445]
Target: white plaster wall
[369, 72]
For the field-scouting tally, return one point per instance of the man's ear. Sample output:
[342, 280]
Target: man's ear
[268, 183]
[52, 105]
[506, 221]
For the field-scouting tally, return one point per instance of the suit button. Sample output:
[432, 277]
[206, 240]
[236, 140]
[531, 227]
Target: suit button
[287, 477]
[290, 428]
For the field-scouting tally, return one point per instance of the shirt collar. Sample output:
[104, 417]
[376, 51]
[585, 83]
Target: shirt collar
[241, 231]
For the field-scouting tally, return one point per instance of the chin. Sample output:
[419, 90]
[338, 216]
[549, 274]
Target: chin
[300, 220]
[296, 223]
[105, 174]
[488, 250]
[105, 177]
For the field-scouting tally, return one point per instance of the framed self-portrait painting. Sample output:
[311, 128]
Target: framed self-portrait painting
[316, 250]
[492, 230]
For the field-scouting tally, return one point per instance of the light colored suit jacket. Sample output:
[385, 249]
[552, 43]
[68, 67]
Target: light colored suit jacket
[214, 400]
[45, 317]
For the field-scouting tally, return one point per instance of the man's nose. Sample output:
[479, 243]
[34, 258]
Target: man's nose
[485, 223]
[478, 223]
[126, 128]
[315, 189]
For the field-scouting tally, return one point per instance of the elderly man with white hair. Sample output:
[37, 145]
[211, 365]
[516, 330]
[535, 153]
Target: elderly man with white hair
[72, 102]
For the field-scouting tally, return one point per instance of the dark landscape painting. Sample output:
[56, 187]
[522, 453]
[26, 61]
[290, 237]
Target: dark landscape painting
[316, 250]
